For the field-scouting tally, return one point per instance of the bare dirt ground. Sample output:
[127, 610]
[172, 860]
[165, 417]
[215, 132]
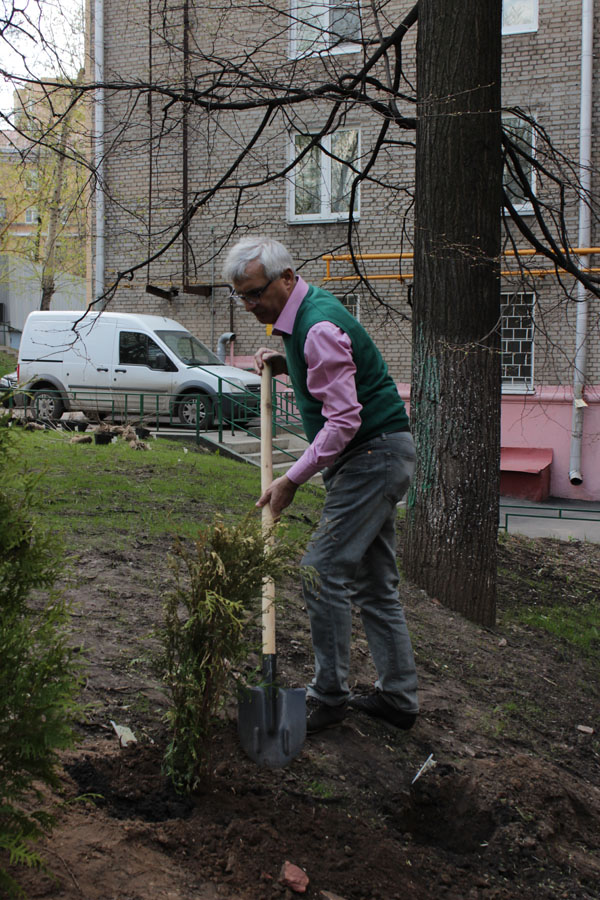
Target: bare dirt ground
[510, 809]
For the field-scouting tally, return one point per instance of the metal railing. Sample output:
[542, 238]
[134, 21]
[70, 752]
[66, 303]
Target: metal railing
[224, 412]
[565, 514]
[224, 409]
[286, 418]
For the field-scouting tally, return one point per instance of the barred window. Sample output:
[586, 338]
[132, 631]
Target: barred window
[517, 342]
[352, 304]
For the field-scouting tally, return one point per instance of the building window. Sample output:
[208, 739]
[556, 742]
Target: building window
[2, 209]
[321, 182]
[352, 303]
[519, 16]
[517, 342]
[32, 179]
[332, 26]
[523, 135]
[31, 216]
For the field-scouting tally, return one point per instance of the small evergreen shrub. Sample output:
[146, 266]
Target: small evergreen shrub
[208, 633]
[39, 672]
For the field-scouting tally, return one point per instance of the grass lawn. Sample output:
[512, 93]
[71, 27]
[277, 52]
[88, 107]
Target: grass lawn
[8, 360]
[112, 492]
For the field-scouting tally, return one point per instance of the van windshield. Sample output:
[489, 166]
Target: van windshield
[189, 349]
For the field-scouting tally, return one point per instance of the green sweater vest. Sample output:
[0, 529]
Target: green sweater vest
[382, 407]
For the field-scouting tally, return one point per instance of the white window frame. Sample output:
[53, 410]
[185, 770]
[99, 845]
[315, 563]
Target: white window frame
[511, 384]
[326, 214]
[31, 215]
[524, 27]
[524, 207]
[321, 14]
[32, 179]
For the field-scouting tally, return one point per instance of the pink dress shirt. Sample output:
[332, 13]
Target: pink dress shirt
[330, 378]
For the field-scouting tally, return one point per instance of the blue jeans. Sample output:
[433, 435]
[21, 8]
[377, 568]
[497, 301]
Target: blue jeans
[353, 555]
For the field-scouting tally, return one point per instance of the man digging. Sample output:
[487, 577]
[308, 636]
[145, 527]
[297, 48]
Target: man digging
[360, 440]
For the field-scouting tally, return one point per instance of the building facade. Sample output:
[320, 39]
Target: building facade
[237, 112]
[43, 209]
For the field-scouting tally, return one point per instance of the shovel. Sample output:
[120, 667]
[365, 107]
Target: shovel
[271, 719]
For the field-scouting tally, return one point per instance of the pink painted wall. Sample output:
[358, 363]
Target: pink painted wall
[543, 420]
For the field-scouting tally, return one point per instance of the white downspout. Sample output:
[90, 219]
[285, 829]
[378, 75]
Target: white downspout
[212, 289]
[584, 239]
[99, 145]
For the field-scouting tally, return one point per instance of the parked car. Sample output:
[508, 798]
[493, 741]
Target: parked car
[7, 385]
[127, 363]
[8, 382]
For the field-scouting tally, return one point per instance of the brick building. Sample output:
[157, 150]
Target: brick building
[159, 159]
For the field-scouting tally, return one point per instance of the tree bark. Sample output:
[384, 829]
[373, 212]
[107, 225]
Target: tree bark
[452, 518]
[49, 263]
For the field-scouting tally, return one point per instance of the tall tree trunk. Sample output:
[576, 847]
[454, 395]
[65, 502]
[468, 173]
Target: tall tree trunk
[49, 261]
[452, 518]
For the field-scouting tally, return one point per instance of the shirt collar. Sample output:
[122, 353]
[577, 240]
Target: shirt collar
[287, 316]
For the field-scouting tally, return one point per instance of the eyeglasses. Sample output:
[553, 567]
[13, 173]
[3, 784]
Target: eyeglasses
[252, 297]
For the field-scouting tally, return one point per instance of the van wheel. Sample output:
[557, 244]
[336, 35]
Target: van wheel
[192, 405]
[47, 406]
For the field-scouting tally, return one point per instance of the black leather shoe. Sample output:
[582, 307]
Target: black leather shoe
[374, 705]
[322, 716]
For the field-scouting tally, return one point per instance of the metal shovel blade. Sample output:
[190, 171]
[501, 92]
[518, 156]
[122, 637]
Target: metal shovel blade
[272, 724]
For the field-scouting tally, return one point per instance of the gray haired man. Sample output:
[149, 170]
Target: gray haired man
[360, 440]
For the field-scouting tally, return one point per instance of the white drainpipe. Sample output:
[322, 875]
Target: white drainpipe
[225, 338]
[585, 233]
[99, 144]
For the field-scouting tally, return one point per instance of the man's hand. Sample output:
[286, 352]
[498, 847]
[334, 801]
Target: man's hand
[278, 495]
[277, 360]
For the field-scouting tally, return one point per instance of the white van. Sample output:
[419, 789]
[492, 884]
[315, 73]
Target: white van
[125, 363]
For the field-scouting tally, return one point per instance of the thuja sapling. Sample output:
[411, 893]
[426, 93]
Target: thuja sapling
[210, 628]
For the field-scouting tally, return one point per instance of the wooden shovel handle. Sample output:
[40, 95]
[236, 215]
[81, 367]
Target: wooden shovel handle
[266, 467]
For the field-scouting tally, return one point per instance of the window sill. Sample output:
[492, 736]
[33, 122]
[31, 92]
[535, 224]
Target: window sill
[517, 389]
[523, 209]
[322, 220]
[523, 29]
[338, 50]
